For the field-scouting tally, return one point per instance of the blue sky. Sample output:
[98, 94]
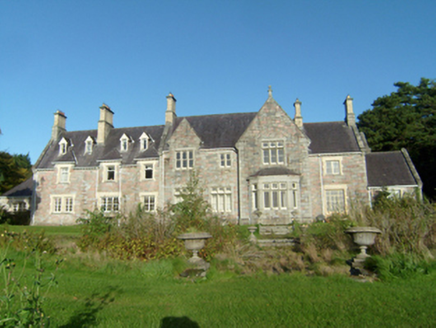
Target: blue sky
[214, 56]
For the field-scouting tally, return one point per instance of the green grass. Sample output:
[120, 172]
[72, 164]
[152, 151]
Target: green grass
[108, 293]
[64, 231]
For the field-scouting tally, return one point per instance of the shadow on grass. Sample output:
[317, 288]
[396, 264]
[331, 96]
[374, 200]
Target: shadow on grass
[86, 316]
[178, 322]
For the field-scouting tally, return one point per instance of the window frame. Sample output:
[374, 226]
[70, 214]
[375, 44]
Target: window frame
[327, 163]
[104, 203]
[62, 204]
[124, 143]
[146, 204]
[63, 147]
[221, 199]
[328, 196]
[272, 148]
[180, 159]
[225, 160]
[106, 171]
[144, 141]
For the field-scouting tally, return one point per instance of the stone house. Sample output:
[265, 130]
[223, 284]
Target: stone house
[258, 167]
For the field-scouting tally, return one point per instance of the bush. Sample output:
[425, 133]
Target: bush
[408, 225]
[27, 241]
[398, 265]
[144, 235]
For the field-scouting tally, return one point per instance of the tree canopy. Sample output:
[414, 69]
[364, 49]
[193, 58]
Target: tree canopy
[406, 119]
[14, 169]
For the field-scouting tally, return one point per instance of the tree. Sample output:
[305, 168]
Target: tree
[14, 169]
[406, 119]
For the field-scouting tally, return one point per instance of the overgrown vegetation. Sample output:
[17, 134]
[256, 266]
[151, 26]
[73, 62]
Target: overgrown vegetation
[148, 235]
[24, 293]
[240, 272]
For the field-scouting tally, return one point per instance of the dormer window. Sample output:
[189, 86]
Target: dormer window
[145, 141]
[89, 143]
[63, 146]
[124, 143]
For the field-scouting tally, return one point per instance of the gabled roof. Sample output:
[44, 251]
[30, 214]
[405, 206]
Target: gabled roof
[24, 189]
[388, 169]
[107, 152]
[219, 131]
[331, 137]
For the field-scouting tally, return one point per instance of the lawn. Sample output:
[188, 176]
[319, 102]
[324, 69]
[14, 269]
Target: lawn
[108, 293]
[94, 291]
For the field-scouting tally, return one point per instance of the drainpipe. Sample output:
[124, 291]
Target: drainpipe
[322, 184]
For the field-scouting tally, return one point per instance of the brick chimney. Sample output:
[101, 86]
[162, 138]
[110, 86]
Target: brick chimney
[298, 119]
[170, 114]
[105, 124]
[59, 125]
[350, 118]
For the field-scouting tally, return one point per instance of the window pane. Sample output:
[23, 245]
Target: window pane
[281, 155]
[149, 171]
[266, 156]
[266, 200]
[335, 200]
[275, 200]
[111, 172]
[283, 199]
[273, 156]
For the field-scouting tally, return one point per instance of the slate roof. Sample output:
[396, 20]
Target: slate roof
[107, 152]
[24, 189]
[274, 171]
[221, 130]
[331, 137]
[388, 169]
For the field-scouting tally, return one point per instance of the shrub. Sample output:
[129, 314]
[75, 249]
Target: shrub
[408, 225]
[399, 265]
[27, 241]
[144, 235]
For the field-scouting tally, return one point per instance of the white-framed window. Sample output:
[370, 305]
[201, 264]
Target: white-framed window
[144, 140]
[221, 199]
[110, 203]
[335, 200]
[273, 152]
[184, 159]
[63, 146]
[89, 143]
[19, 206]
[64, 174]
[225, 160]
[148, 171]
[149, 203]
[110, 172]
[332, 165]
[124, 143]
[274, 195]
[255, 196]
[57, 204]
[62, 204]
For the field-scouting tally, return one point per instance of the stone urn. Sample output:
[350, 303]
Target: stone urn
[252, 237]
[364, 237]
[194, 241]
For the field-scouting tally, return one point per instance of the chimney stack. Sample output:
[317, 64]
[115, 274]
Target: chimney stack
[59, 125]
[105, 124]
[170, 114]
[350, 118]
[298, 119]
